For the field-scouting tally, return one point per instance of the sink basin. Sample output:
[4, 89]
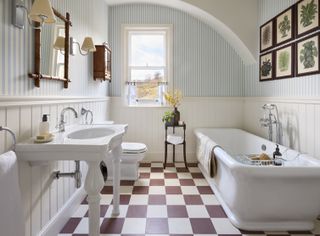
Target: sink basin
[90, 133]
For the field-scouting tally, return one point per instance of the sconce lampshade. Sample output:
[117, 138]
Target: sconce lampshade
[42, 8]
[59, 43]
[88, 45]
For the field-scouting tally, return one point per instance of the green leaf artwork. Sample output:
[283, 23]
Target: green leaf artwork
[308, 13]
[284, 58]
[284, 27]
[266, 68]
[308, 54]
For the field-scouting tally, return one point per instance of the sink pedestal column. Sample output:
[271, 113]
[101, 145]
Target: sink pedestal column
[93, 186]
[116, 154]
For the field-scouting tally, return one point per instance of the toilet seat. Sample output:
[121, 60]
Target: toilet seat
[133, 148]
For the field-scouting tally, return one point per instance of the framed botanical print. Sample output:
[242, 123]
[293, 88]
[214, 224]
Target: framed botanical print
[307, 16]
[266, 36]
[266, 66]
[307, 56]
[284, 62]
[284, 26]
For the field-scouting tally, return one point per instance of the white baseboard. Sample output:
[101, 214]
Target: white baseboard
[159, 157]
[54, 226]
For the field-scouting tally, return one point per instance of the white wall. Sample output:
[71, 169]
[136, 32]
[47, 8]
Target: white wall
[145, 124]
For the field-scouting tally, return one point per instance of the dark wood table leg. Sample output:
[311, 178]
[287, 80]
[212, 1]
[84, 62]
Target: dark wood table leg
[185, 154]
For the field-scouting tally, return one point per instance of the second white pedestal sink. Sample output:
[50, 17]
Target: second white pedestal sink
[90, 143]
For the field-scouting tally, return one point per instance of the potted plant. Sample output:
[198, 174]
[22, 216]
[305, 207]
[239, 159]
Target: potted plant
[173, 98]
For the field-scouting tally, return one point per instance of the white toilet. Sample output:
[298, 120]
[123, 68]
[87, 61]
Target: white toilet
[132, 154]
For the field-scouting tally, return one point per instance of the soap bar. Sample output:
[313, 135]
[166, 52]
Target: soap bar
[43, 136]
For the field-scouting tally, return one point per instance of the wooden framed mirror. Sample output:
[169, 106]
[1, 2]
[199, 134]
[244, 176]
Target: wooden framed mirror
[49, 63]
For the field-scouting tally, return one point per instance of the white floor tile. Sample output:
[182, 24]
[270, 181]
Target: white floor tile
[157, 190]
[123, 212]
[134, 226]
[175, 199]
[106, 199]
[83, 226]
[224, 226]
[172, 182]
[156, 175]
[81, 211]
[194, 170]
[126, 189]
[190, 190]
[197, 211]
[157, 164]
[179, 164]
[157, 212]
[179, 226]
[142, 182]
[139, 199]
[170, 170]
[201, 182]
[144, 169]
[209, 199]
[184, 175]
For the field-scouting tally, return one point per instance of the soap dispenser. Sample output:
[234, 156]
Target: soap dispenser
[277, 156]
[44, 125]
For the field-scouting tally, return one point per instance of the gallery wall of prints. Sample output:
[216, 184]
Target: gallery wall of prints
[289, 42]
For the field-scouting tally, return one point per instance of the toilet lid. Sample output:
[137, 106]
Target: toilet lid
[133, 147]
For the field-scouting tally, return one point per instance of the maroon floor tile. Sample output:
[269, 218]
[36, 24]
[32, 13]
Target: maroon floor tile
[179, 211]
[144, 175]
[70, 226]
[173, 190]
[205, 190]
[170, 175]
[140, 190]
[193, 200]
[202, 226]
[103, 211]
[112, 226]
[299, 232]
[157, 169]
[197, 175]
[157, 200]
[187, 182]
[247, 231]
[157, 226]
[84, 201]
[156, 182]
[127, 182]
[195, 164]
[124, 199]
[216, 211]
[182, 169]
[107, 190]
[170, 164]
[145, 165]
[137, 211]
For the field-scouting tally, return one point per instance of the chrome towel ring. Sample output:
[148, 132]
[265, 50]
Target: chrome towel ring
[12, 134]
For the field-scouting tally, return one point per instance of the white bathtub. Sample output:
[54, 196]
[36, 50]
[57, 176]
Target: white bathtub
[263, 197]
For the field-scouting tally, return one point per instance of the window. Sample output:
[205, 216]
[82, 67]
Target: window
[147, 60]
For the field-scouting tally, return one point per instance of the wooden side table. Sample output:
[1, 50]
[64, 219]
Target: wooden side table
[166, 143]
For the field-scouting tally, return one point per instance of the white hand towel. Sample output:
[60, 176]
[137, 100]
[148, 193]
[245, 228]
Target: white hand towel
[11, 211]
[174, 139]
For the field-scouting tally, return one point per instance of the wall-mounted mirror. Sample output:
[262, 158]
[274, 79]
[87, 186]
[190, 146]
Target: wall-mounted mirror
[50, 63]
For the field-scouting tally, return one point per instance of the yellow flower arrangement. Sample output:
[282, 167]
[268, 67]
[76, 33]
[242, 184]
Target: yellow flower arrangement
[173, 97]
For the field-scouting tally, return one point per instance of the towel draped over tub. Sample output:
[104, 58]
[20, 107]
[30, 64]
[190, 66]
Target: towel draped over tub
[205, 154]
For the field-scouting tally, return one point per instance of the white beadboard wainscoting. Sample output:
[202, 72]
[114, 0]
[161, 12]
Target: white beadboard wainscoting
[146, 126]
[300, 118]
[42, 195]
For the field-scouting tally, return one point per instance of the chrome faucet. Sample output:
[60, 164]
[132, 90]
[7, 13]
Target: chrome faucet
[86, 112]
[271, 118]
[62, 123]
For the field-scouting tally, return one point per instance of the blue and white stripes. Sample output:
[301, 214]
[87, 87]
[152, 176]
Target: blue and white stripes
[204, 64]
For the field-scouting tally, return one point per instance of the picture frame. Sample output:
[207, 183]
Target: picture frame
[307, 55]
[284, 62]
[285, 26]
[308, 17]
[266, 65]
[266, 36]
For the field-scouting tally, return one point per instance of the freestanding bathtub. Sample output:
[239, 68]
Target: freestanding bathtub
[262, 197]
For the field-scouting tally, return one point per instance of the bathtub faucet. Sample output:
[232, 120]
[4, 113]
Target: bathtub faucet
[270, 119]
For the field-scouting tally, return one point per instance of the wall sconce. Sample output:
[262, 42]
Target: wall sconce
[87, 46]
[59, 44]
[41, 12]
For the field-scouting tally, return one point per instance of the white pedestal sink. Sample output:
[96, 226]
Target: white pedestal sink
[90, 143]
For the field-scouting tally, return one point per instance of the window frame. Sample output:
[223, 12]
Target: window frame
[125, 35]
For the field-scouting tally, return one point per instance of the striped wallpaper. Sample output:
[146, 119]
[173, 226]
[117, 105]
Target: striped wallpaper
[300, 87]
[16, 46]
[204, 64]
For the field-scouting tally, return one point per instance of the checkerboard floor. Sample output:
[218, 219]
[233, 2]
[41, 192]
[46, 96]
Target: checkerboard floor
[174, 201]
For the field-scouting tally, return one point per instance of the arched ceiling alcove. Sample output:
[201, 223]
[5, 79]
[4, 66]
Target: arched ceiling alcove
[209, 19]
